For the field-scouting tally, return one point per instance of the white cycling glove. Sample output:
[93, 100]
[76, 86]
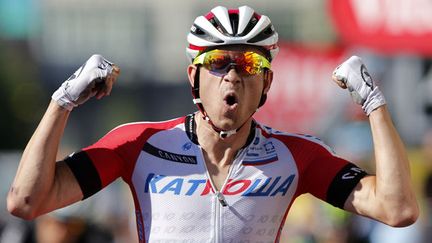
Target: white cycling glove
[82, 85]
[354, 76]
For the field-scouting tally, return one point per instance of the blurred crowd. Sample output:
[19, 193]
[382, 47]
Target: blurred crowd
[35, 59]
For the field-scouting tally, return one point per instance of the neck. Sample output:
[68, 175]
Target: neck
[220, 149]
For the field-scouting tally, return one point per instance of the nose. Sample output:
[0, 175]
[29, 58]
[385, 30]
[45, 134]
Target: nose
[232, 75]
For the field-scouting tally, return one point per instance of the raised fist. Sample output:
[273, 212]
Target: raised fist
[94, 78]
[353, 74]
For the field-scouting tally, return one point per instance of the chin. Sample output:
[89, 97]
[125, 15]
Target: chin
[230, 123]
[226, 125]
[229, 120]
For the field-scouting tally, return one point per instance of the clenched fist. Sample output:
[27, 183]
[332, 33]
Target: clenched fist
[353, 74]
[94, 78]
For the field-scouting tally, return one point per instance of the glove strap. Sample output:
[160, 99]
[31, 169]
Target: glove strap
[61, 97]
[374, 100]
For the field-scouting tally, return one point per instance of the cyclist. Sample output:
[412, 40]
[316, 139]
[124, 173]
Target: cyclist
[216, 175]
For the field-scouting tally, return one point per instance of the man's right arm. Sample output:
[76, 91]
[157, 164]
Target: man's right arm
[42, 185]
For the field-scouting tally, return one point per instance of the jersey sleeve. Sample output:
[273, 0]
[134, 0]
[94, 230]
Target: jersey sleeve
[322, 172]
[111, 157]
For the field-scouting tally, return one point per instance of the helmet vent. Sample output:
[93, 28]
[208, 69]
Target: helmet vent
[250, 26]
[197, 30]
[215, 22]
[234, 19]
[266, 33]
[269, 30]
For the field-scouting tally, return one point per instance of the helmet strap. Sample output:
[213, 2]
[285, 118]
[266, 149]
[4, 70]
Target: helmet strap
[264, 96]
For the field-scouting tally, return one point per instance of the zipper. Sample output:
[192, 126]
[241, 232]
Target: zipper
[219, 200]
[219, 204]
[216, 220]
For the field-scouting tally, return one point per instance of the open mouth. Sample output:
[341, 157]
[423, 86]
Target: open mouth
[231, 99]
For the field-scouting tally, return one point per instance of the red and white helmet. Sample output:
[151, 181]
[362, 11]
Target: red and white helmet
[222, 27]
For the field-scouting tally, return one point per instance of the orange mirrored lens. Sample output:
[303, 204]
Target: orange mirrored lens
[219, 62]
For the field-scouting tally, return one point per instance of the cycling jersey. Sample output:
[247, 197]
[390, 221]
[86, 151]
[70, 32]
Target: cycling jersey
[174, 197]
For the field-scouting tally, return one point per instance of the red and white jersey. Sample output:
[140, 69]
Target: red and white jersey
[175, 199]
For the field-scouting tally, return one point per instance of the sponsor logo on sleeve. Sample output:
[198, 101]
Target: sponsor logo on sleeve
[160, 153]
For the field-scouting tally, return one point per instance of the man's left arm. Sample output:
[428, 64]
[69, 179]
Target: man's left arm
[388, 196]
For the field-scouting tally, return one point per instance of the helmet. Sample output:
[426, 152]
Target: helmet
[222, 27]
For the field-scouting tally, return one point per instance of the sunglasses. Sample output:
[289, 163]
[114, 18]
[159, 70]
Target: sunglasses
[219, 62]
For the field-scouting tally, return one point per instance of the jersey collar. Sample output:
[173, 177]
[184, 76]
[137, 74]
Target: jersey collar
[190, 127]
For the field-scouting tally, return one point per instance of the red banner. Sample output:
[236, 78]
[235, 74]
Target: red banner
[387, 26]
[302, 92]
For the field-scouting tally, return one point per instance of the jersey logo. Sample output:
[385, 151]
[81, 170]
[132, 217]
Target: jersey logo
[258, 187]
[180, 158]
[352, 173]
[343, 184]
[261, 154]
[187, 146]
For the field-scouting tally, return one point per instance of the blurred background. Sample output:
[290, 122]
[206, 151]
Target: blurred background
[43, 42]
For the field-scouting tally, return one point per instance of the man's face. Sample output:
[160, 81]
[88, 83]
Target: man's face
[230, 99]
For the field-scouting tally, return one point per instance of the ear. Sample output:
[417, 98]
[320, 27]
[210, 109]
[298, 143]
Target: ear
[191, 71]
[268, 79]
